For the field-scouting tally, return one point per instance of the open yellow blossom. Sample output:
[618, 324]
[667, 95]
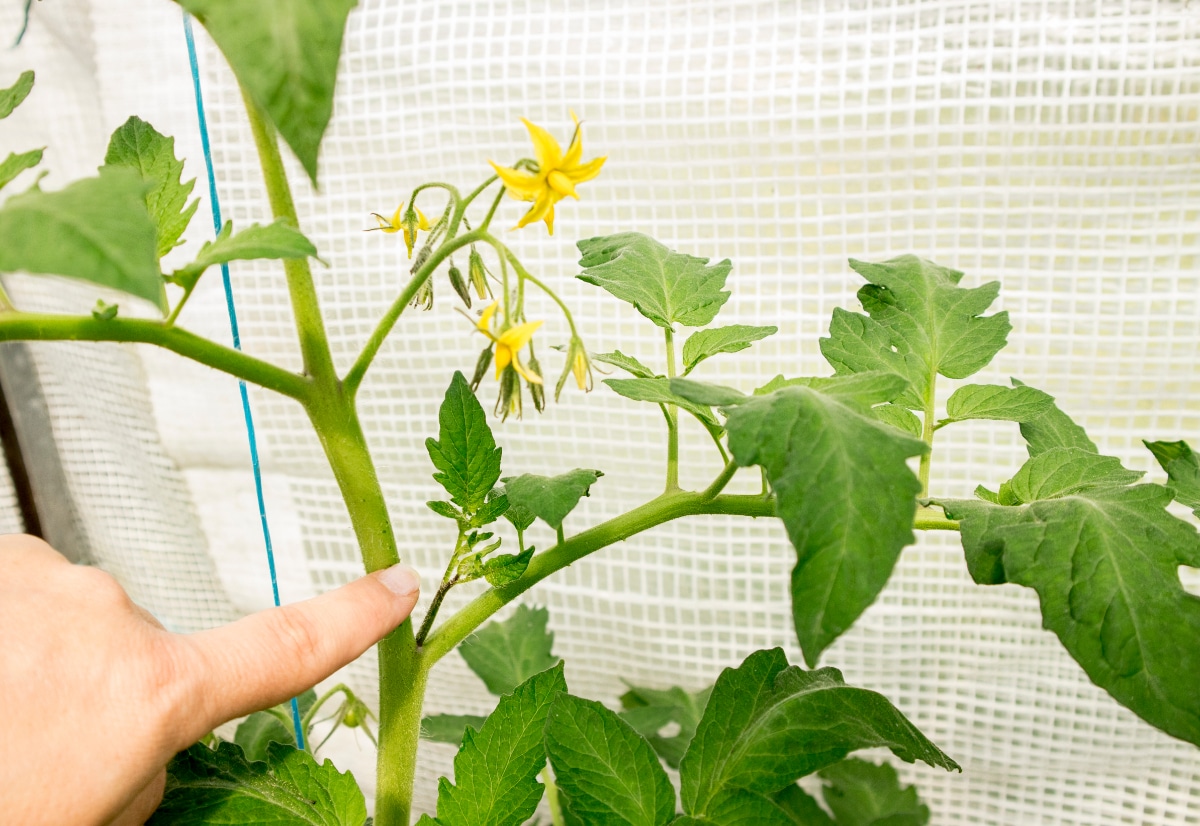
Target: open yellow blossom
[509, 344]
[396, 224]
[556, 176]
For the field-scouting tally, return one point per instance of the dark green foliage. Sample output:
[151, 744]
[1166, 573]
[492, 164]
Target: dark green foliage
[465, 453]
[506, 653]
[550, 498]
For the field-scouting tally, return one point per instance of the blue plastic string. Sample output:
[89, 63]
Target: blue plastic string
[237, 339]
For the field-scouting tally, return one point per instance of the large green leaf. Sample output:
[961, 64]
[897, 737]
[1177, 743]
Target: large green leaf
[495, 771]
[138, 146]
[844, 491]
[666, 287]
[919, 323]
[465, 453]
[1104, 560]
[449, 728]
[215, 788]
[278, 240]
[262, 728]
[801, 808]
[506, 653]
[1052, 429]
[14, 95]
[550, 498]
[15, 164]
[1063, 471]
[651, 710]
[658, 390]
[865, 794]
[1183, 471]
[992, 401]
[96, 230]
[705, 343]
[768, 724]
[285, 55]
[607, 774]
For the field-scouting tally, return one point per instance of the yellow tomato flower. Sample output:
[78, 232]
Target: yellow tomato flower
[509, 343]
[579, 365]
[396, 224]
[557, 174]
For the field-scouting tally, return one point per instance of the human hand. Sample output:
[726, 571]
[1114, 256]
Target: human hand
[97, 697]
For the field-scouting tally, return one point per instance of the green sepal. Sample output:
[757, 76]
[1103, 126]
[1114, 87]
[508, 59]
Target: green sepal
[732, 339]
[14, 95]
[95, 230]
[465, 451]
[278, 240]
[550, 498]
[666, 287]
[506, 653]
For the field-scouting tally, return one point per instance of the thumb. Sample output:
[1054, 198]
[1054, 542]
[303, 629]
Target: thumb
[266, 658]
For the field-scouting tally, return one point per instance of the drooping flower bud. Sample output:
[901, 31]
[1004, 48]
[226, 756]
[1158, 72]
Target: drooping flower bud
[411, 222]
[509, 401]
[481, 367]
[478, 275]
[423, 298]
[536, 389]
[459, 285]
[579, 365]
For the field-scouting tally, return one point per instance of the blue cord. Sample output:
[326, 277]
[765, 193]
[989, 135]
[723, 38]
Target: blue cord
[237, 339]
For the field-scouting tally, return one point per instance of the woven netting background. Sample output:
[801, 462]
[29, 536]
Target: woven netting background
[1051, 145]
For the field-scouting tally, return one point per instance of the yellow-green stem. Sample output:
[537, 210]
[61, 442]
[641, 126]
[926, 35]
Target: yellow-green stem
[927, 437]
[672, 421]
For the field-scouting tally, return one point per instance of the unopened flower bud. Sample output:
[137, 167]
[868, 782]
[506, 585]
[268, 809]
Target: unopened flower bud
[509, 401]
[478, 275]
[579, 365]
[424, 296]
[481, 367]
[411, 222]
[536, 390]
[459, 285]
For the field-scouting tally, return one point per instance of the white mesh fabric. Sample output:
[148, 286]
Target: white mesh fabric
[1049, 145]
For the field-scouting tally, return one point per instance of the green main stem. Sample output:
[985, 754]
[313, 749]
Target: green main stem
[927, 437]
[672, 420]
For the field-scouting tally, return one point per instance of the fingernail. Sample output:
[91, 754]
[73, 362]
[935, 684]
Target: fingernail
[401, 580]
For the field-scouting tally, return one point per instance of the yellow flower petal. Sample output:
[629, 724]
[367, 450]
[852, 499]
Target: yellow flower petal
[422, 221]
[561, 184]
[484, 325]
[586, 172]
[545, 147]
[522, 185]
[549, 218]
[527, 374]
[503, 357]
[517, 337]
[545, 201]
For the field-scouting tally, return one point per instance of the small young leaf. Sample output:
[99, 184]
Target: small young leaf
[1104, 561]
[211, 788]
[650, 710]
[849, 522]
[503, 569]
[96, 229]
[493, 509]
[449, 728]
[706, 395]
[519, 516]
[864, 794]
[705, 343]
[445, 509]
[768, 724]
[898, 417]
[920, 323]
[607, 774]
[15, 164]
[495, 771]
[1183, 471]
[550, 497]
[1063, 471]
[1053, 428]
[14, 95]
[801, 807]
[659, 391]
[627, 363]
[274, 241]
[506, 653]
[996, 402]
[285, 55]
[666, 287]
[139, 146]
[465, 455]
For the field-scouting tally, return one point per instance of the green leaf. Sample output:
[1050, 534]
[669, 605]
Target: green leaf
[215, 788]
[627, 363]
[14, 95]
[278, 240]
[864, 794]
[285, 55]
[1183, 471]
[607, 774]
[551, 498]
[15, 164]
[505, 568]
[768, 724]
[898, 417]
[506, 653]
[996, 402]
[262, 728]
[466, 455]
[519, 516]
[919, 323]
[1053, 428]
[704, 343]
[706, 395]
[659, 391]
[1063, 471]
[650, 710]
[96, 230]
[495, 771]
[801, 807]
[1105, 564]
[449, 728]
[862, 390]
[845, 493]
[139, 146]
[445, 509]
[666, 287]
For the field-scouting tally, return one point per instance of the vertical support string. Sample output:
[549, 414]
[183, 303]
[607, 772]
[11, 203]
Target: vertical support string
[237, 340]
